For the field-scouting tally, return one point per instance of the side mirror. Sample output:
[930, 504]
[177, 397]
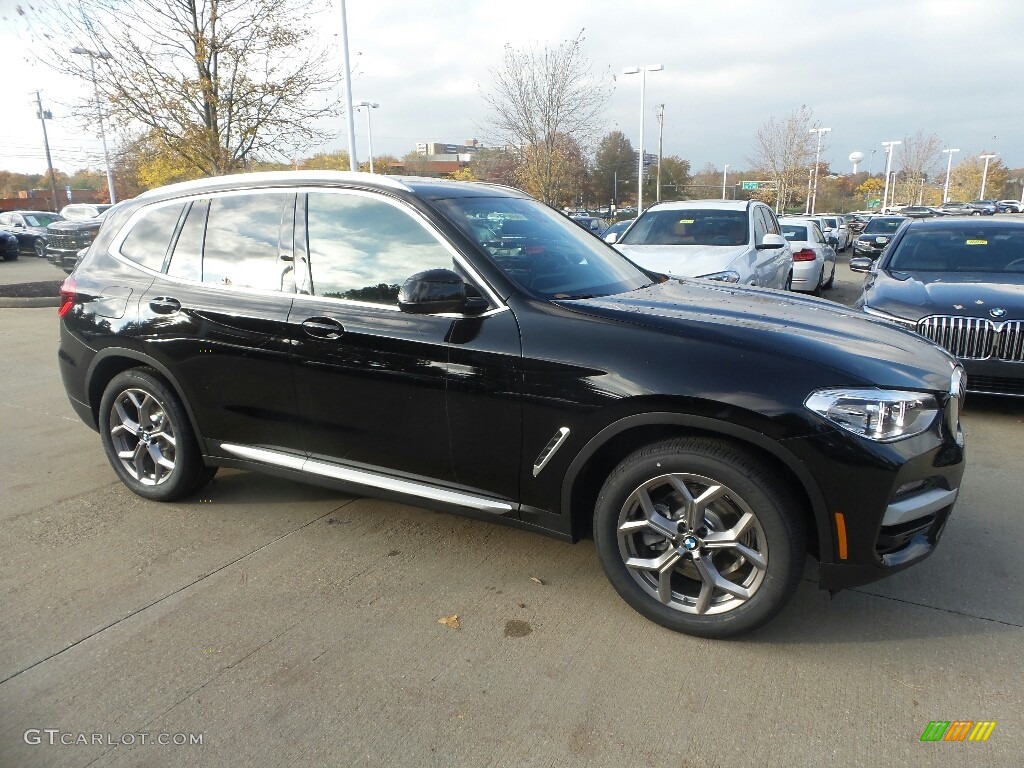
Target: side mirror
[436, 292]
[832, 240]
[771, 241]
[861, 263]
[612, 239]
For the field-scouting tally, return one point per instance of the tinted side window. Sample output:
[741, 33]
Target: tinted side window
[243, 235]
[363, 249]
[187, 260]
[149, 239]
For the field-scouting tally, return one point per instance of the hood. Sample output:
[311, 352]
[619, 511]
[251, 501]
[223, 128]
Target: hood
[75, 226]
[963, 294]
[783, 324]
[685, 260]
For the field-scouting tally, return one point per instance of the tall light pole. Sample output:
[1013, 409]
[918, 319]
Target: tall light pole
[352, 163]
[725, 171]
[93, 55]
[817, 161]
[984, 175]
[888, 166]
[661, 137]
[368, 105]
[643, 86]
[949, 169]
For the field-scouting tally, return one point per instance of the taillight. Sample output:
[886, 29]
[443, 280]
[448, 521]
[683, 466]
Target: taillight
[68, 291]
[804, 254]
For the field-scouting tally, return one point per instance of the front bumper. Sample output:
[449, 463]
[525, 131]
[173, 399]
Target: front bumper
[63, 258]
[886, 506]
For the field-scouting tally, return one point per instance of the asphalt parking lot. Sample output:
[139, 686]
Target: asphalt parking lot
[283, 624]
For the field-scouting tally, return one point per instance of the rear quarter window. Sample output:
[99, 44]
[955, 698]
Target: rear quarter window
[147, 242]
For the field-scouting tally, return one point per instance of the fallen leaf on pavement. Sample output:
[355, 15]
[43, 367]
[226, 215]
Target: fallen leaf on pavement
[451, 622]
[534, 578]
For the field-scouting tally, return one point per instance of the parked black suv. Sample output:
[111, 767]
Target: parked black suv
[464, 347]
[66, 239]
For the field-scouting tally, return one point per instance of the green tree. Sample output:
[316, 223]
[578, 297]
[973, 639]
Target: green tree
[675, 176]
[615, 162]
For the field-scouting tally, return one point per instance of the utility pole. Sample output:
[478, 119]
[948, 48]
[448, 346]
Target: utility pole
[661, 136]
[353, 164]
[93, 55]
[43, 117]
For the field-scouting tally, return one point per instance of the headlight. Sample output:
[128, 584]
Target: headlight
[725, 277]
[877, 414]
[911, 324]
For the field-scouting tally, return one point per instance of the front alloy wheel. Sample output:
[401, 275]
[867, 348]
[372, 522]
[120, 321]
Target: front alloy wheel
[692, 543]
[699, 535]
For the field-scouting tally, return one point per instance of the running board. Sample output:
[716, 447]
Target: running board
[368, 479]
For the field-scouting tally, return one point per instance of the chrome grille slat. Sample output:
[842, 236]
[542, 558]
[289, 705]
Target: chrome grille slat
[975, 338]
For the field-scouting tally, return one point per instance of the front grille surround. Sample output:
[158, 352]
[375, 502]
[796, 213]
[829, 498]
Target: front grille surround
[975, 338]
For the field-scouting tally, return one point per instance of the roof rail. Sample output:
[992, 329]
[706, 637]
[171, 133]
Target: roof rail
[281, 177]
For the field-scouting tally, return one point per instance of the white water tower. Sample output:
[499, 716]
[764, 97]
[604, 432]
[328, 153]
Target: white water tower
[855, 158]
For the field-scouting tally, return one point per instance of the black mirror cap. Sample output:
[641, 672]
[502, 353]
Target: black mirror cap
[433, 292]
[861, 263]
[832, 240]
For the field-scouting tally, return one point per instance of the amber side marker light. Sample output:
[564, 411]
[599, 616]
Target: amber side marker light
[841, 533]
[68, 291]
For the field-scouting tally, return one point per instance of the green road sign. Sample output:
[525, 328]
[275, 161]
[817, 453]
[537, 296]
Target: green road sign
[749, 185]
[873, 203]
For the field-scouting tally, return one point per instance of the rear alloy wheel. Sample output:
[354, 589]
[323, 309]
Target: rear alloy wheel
[148, 437]
[696, 535]
[39, 246]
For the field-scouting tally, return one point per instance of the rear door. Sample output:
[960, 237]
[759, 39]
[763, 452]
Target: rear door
[219, 318]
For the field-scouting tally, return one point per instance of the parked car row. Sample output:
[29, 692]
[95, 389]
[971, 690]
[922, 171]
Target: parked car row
[464, 347]
[57, 237]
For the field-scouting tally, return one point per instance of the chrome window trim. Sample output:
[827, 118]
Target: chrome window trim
[114, 250]
[368, 479]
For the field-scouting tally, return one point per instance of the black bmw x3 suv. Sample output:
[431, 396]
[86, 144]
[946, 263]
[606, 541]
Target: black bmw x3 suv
[464, 347]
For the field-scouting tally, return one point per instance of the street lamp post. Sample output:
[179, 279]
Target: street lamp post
[643, 85]
[817, 161]
[984, 175]
[724, 174]
[368, 105]
[352, 163]
[93, 55]
[949, 168]
[888, 167]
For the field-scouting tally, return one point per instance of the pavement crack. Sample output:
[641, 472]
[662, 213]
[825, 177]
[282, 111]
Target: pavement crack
[169, 595]
[939, 608]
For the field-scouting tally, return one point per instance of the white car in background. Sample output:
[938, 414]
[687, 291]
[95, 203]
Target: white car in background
[735, 241]
[814, 260]
[835, 225]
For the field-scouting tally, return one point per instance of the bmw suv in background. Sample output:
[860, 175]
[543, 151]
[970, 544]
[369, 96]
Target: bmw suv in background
[368, 333]
[878, 233]
[733, 241]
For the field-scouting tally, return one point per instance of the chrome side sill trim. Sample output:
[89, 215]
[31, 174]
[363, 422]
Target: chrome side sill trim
[368, 479]
[917, 506]
[549, 450]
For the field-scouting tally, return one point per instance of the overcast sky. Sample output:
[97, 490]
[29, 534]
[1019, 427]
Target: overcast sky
[871, 71]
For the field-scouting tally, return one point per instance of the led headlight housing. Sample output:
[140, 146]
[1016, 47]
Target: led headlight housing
[728, 276]
[877, 414]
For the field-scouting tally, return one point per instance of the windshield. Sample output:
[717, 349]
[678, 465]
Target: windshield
[690, 226]
[541, 250]
[791, 232]
[883, 225]
[41, 219]
[972, 249]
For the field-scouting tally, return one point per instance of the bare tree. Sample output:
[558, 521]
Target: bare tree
[212, 82]
[919, 156]
[540, 98]
[784, 151]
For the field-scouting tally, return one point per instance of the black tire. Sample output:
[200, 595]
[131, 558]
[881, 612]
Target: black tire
[142, 419]
[39, 247]
[762, 517]
[11, 256]
[789, 282]
[831, 279]
[817, 287]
